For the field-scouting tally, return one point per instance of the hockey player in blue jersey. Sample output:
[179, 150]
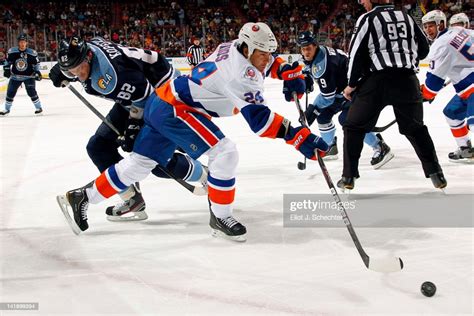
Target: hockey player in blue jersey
[328, 67]
[22, 66]
[126, 76]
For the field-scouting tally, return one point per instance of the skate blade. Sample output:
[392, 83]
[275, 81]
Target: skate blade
[65, 206]
[128, 217]
[462, 161]
[385, 159]
[217, 233]
[347, 191]
[332, 157]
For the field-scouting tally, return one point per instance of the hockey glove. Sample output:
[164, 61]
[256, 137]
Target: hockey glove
[309, 82]
[38, 75]
[6, 72]
[58, 78]
[290, 72]
[130, 135]
[293, 80]
[311, 114]
[427, 95]
[290, 86]
[306, 142]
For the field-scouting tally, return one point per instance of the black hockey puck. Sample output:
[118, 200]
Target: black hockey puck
[301, 165]
[428, 289]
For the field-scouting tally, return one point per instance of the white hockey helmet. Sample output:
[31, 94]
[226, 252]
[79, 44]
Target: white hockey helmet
[460, 18]
[257, 36]
[434, 16]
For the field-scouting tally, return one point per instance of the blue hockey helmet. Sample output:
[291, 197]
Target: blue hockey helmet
[72, 52]
[22, 37]
[306, 38]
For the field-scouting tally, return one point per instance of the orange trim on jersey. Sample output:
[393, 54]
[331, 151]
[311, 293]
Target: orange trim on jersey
[220, 196]
[274, 127]
[276, 66]
[460, 132]
[165, 92]
[200, 129]
[104, 187]
[466, 94]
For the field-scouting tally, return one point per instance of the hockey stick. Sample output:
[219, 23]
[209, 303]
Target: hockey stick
[302, 165]
[380, 265]
[93, 109]
[383, 128]
[191, 188]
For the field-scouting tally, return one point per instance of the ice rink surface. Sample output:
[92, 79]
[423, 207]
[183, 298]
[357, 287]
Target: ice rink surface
[169, 264]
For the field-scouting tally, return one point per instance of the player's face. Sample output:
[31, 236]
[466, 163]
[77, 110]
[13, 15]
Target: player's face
[81, 71]
[431, 30]
[22, 45]
[308, 52]
[260, 59]
[458, 24]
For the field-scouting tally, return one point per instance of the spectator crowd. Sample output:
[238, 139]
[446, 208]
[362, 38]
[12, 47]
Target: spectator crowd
[168, 26]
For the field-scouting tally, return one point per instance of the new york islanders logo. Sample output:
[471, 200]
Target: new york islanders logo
[250, 74]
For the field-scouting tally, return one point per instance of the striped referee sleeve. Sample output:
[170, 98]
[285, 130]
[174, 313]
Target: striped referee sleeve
[358, 50]
[195, 55]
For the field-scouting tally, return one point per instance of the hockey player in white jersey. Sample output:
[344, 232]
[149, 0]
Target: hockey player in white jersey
[228, 82]
[451, 55]
[459, 19]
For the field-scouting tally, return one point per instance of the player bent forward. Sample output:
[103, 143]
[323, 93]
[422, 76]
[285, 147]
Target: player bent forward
[228, 82]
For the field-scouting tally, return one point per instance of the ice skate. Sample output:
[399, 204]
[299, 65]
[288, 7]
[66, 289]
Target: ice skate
[332, 152]
[131, 209]
[4, 112]
[227, 227]
[382, 154]
[74, 207]
[464, 154]
[438, 180]
[346, 184]
[39, 112]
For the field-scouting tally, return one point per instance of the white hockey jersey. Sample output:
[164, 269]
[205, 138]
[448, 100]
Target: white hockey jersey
[451, 55]
[225, 84]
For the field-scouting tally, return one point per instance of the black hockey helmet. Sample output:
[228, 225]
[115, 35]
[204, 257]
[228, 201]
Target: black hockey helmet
[306, 38]
[72, 52]
[22, 37]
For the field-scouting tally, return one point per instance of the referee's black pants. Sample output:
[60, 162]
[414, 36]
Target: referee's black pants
[401, 89]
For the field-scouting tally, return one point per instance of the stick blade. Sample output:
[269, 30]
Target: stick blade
[385, 265]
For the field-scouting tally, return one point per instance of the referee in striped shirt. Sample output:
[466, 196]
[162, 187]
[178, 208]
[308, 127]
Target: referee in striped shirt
[384, 53]
[195, 53]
